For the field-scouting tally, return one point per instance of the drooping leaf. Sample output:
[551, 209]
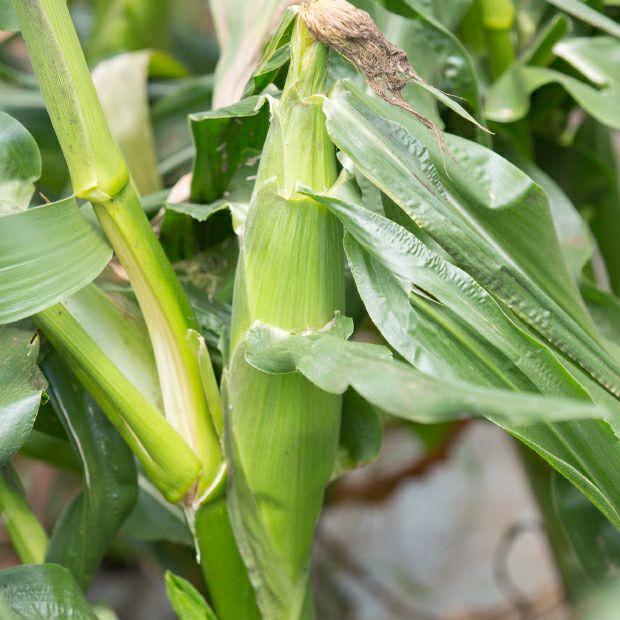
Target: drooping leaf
[20, 164]
[441, 340]
[46, 254]
[422, 271]
[85, 530]
[597, 58]
[188, 603]
[22, 387]
[335, 364]
[585, 13]
[482, 211]
[47, 591]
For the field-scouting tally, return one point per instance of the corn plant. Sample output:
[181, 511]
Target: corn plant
[191, 344]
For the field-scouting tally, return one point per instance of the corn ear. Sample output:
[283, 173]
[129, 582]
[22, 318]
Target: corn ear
[282, 432]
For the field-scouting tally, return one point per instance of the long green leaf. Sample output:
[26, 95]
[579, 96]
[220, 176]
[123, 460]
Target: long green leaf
[85, 530]
[585, 13]
[439, 341]
[45, 591]
[21, 388]
[335, 364]
[46, 254]
[482, 211]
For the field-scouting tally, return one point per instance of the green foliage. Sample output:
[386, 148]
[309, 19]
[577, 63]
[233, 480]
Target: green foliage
[186, 600]
[85, 530]
[484, 267]
[43, 591]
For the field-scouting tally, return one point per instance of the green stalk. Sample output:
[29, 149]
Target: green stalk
[223, 569]
[282, 430]
[99, 174]
[163, 453]
[25, 530]
[498, 17]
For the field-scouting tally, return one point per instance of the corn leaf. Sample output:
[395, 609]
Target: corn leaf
[596, 58]
[46, 254]
[482, 211]
[188, 603]
[86, 528]
[20, 165]
[221, 137]
[588, 171]
[335, 364]
[587, 14]
[47, 591]
[22, 387]
[242, 31]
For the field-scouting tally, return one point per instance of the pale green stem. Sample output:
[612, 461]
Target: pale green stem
[162, 452]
